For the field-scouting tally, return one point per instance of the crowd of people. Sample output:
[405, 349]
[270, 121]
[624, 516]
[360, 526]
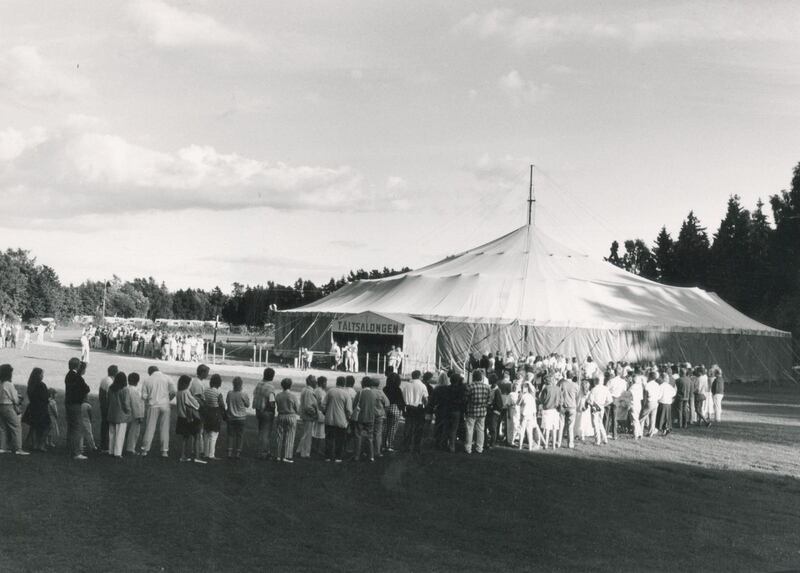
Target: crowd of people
[546, 404]
[179, 345]
[19, 335]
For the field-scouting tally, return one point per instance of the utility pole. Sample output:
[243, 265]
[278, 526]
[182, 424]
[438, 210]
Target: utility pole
[105, 289]
[531, 200]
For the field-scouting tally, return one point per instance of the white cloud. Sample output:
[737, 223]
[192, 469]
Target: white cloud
[636, 28]
[24, 72]
[73, 172]
[521, 90]
[14, 143]
[168, 26]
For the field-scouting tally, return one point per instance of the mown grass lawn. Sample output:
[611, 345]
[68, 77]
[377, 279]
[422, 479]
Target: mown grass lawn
[723, 498]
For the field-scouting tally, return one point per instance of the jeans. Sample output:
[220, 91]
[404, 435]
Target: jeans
[412, 433]
[611, 420]
[683, 413]
[474, 427]
[665, 417]
[492, 426]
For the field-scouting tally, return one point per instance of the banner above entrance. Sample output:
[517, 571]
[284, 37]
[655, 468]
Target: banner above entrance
[368, 323]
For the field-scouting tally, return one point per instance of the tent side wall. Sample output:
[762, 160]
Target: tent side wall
[419, 347]
[746, 357]
[309, 330]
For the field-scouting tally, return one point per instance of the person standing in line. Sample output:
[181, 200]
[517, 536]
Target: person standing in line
[457, 401]
[494, 411]
[616, 387]
[197, 389]
[717, 391]
[120, 412]
[87, 416]
[570, 395]
[599, 399]
[394, 411]
[476, 399]
[158, 391]
[704, 386]
[36, 415]
[652, 395]
[75, 392]
[549, 403]
[10, 427]
[700, 398]
[102, 395]
[381, 404]
[318, 432]
[188, 423]
[137, 414]
[364, 419]
[264, 405]
[237, 403]
[55, 427]
[684, 389]
[512, 414]
[665, 403]
[637, 396]
[439, 405]
[338, 407]
[527, 408]
[288, 407]
[213, 413]
[309, 408]
[415, 396]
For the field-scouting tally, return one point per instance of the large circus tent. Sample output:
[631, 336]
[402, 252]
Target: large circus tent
[526, 292]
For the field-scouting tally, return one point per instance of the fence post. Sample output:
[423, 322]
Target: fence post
[223, 354]
[366, 368]
[254, 355]
[214, 354]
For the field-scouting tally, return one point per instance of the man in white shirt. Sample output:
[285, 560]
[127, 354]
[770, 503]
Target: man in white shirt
[637, 395]
[415, 395]
[652, 391]
[617, 387]
[392, 359]
[158, 390]
[668, 392]
[589, 368]
[599, 398]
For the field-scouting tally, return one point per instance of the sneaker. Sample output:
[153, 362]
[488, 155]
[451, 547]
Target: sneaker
[80, 457]
[327, 459]
[288, 461]
[183, 460]
[4, 452]
[199, 461]
[337, 461]
[22, 453]
[164, 454]
[372, 459]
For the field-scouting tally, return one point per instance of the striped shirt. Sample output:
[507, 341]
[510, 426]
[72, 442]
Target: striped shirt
[212, 397]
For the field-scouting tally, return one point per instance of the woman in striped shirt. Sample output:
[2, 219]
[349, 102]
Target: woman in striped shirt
[212, 415]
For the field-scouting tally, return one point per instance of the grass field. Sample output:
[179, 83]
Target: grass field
[723, 498]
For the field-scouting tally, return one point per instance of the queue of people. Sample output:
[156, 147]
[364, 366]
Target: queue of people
[541, 408]
[178, 345]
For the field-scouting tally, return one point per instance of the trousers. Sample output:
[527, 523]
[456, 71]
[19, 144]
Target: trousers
[287, 425]
[10, 429]
[475, 429]
[266, 440]
[306, 437]
[74, 429]
[158, 418]
[134, 431]
[116, 438]
[334, 442]
[717, 399]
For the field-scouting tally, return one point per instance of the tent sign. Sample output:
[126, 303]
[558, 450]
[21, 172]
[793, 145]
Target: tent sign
[368, 324]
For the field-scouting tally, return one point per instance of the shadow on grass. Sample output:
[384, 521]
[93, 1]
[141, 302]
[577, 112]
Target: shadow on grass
[502, 510]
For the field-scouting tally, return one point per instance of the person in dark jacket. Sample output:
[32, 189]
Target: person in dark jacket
[456, 403]
[75, 392]
[37, 415]
[683, 396]
[439, 406]
[494, 411]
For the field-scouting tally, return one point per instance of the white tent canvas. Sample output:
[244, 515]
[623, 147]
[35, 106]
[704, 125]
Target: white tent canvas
[526, 292]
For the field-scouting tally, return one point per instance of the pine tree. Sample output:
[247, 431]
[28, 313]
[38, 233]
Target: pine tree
[691, 253]
[730, 255]
[664, 256]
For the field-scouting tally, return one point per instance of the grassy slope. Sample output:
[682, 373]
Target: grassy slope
[723, 498]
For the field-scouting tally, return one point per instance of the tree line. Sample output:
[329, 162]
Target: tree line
[751, 263]
[30, 291]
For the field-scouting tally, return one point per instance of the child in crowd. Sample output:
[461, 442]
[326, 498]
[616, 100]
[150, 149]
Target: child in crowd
[237, 402]
[52, 410]
[213, 413]
[189, 422]
[137, 414]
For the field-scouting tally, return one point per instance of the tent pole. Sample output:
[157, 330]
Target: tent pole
[531, 200]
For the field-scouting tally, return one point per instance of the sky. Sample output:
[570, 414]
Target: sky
[203, 142]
